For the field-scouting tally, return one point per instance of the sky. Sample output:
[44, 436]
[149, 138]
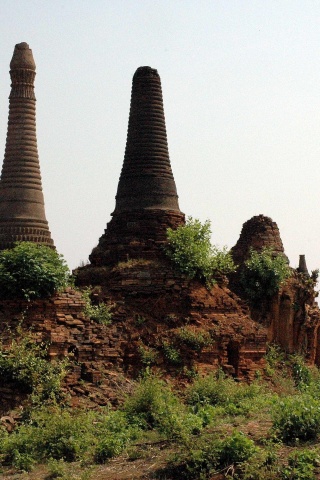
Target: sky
[241, 91]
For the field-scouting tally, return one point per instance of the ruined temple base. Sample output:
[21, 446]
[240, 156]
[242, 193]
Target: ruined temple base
[105, 358]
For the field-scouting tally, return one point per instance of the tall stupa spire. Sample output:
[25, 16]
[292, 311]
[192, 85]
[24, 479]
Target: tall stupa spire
[146, 180]
[22, 213]
[146, 200]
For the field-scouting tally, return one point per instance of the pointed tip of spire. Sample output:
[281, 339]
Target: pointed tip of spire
[22, 57]
[146, 72]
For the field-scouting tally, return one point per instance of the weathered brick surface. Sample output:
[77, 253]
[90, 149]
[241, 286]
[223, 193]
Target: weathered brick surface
[292, 317]
[257, 233]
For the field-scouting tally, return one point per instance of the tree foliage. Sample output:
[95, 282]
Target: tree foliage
[30, 270]
[189, 246]
[263, 274]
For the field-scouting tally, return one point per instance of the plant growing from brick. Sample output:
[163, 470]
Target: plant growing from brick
[100, 313]
[194, 339]
[263, 274]
[190, 248]
[25, 363]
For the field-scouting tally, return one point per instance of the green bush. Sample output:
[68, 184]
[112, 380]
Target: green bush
[194, 339]
[148, 355]
[25, 362]
[234, 398]
[301, 465]
[100, 313]
[30, 271]
[68, 435]
[210, 390]
[297, 418]
[171, 354]
[300, 372]
[153, 405]
[189, 246]
[236, 449]
[114, 433]
[201, 458]
[50, 433]
[263, 274]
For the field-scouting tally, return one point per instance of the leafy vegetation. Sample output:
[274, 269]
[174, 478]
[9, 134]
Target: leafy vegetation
[24, 362]
[267, 430]
[154, 405]
[263, 274]
[147, 355]
[100, 313]
[194, 339]
[190, 248]
[301, 465]
[297, 418]
[30, 270]
[171, 354]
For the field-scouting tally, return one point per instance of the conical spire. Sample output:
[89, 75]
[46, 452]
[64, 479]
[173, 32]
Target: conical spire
[22, 214]
[146, 200]
[146, 180]
[303, 265]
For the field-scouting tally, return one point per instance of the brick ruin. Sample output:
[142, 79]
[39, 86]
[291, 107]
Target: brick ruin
[292, 318]
[151, 302]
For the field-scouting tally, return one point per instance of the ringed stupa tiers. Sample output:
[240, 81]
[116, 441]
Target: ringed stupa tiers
[146, 200]
[22, 213]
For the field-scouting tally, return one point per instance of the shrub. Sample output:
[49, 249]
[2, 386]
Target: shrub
[68, 435]
[236, 399]
[114, 434]
[50, 433]
[100, 313]
[31, 270]
[153, 405]
[202, 457]
[301, 465]
[210, 390]
[236, 449]
[263, 274]
[297, 418]
[194, 339]
[190, 248]
[25, 363]
[301, 373]
[148, 355]
[171, 354]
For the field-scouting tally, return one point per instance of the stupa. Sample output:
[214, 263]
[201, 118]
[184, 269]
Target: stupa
[22, 213]
[146, 200]
[257, 233]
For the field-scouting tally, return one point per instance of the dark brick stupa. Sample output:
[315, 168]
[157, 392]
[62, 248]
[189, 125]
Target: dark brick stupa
[146, 200]
[22, 213]
[257, 233]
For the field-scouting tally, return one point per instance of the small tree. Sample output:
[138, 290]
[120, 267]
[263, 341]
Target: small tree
[30, 270]
[263, 274]
[189, 246]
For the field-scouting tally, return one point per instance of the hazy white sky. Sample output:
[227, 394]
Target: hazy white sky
[241, 88]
